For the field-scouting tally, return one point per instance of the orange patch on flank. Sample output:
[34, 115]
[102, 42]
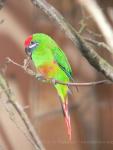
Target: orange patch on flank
[45, 69]
[48, 68]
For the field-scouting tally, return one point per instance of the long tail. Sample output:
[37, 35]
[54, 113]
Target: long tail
[62, 92]
[67, 118]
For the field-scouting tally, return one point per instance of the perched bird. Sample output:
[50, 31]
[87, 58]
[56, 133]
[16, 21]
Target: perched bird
[51, 62]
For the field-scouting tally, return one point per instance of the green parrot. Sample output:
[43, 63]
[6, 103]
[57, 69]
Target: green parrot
[51, 62]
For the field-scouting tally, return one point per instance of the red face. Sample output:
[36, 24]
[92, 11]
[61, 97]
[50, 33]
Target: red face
[28, 41]
[30, 45]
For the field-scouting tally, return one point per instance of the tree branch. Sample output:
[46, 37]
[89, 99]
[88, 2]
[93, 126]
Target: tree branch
[53, 81]
[99, 17]
[93, 58]
[98, 44]
[21, 113]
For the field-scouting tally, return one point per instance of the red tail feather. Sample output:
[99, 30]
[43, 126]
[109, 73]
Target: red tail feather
[67, 118]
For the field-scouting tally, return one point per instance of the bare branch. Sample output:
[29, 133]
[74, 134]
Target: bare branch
[98, 44]
[94, 34]
[21, 113]
[95, 10]
[53, 81]
[93, 58]
[81, 83]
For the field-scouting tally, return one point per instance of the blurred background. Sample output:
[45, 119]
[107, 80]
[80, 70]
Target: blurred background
[91, 108]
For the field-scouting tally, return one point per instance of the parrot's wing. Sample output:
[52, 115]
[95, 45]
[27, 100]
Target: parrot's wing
[62, 61]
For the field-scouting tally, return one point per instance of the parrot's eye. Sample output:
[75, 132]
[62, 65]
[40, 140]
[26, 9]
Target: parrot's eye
[31, 47]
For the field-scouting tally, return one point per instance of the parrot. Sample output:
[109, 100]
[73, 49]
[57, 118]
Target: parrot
[51, 62]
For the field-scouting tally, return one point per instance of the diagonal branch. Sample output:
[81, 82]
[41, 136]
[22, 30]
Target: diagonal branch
[92, 57]
[36, 141]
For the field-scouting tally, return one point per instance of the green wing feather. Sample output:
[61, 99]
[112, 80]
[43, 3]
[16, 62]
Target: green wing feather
[62, 61]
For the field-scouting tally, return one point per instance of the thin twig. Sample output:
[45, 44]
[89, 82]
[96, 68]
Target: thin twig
[83, 24]
[95, 10]
[93, 58]
[29, 71]
[54, 81]
[98, 44]
[82, 28]
[94, 42]
[94, 34]
[82, 83]
[4, 85]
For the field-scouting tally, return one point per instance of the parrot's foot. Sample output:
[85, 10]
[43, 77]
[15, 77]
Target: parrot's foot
[39, 77]
[53, 81]
[26, 63]
[42, 78]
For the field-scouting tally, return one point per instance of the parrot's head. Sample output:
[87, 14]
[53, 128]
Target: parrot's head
[36, 42]
[30, 45]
